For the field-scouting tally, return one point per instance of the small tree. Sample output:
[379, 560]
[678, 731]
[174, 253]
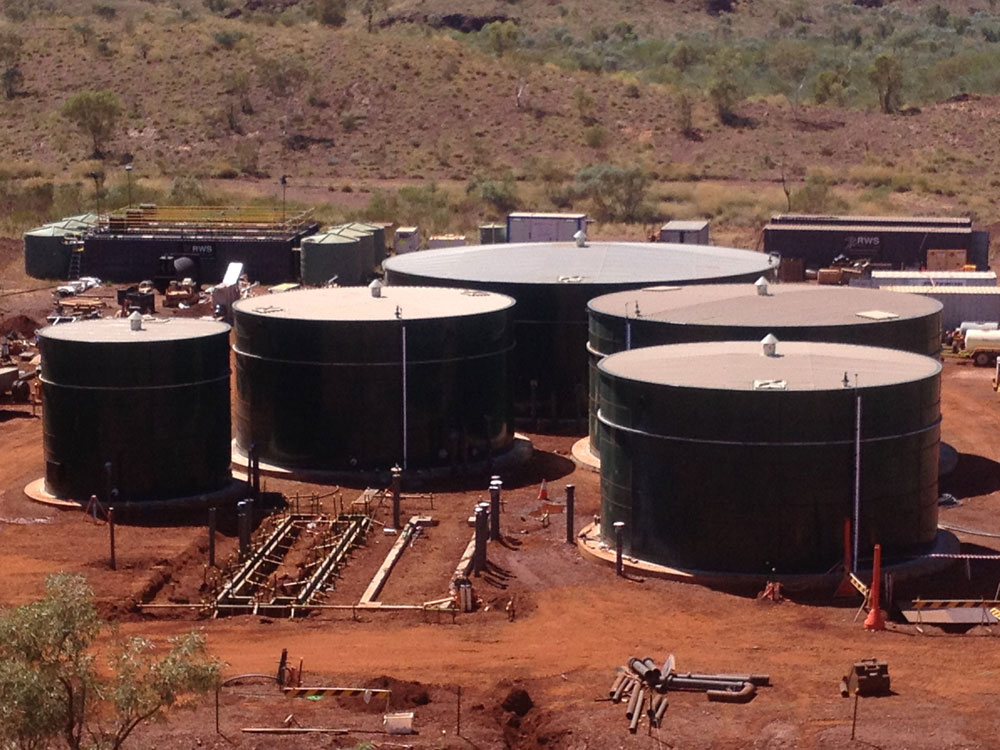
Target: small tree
[724, 89]
[329, 12]
[502, 36]
[10, 58]
[369, 8]
[95, 113]
[618, 193]
[50, 689]
[791, 61]
[886, 73]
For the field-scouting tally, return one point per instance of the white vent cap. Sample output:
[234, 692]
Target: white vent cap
[376, 288]
[580, 237]
[761, 285]
[770, 344]
[135, 321]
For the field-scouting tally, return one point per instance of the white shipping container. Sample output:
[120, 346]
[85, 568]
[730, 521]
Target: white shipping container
[959, 302]
[934, 278]
[527, 227]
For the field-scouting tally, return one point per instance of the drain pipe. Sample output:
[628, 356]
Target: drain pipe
[570, 503]
[211, 537]
[634, 723]
[397, 480]
[494, 513]
[477, 555]
[619, 562]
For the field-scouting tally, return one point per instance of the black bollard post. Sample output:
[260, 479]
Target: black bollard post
[211, 536]
[111, 536]
[570, 502]
[243, 527]
[253, 469]
[494, 513]
[397, 482]
[477, 553]
[619, 562]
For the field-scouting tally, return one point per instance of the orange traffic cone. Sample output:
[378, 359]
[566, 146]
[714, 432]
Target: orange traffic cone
[543, 491]
[875, 619]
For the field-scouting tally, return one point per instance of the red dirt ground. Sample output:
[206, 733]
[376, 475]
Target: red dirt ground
[575, 623]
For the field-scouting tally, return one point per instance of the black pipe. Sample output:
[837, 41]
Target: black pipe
[211, 536]
[619, 562]
[494, 513]
[397, 482]
[570, 503]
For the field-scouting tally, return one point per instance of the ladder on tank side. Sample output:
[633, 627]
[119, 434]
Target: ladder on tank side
[75, 263]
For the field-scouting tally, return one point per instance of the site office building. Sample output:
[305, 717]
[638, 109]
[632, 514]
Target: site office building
[813, 242]
[530, 227]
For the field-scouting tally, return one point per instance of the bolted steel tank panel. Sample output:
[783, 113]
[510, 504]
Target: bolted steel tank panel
[153, 402]
[552, 283]
[718, 458]
[738, 312]
[320, 377]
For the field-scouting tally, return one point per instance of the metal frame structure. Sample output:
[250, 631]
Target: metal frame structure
[254, 588]
[233, 221]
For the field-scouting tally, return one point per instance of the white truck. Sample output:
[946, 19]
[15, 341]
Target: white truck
[982, 347]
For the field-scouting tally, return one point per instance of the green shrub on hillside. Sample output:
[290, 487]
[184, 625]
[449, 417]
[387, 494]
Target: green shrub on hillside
[228, 39]
[616, 193]
[217, 6]
[501, 36]
[105, 11]
[500, 195]
[10, 59]
[329, 12]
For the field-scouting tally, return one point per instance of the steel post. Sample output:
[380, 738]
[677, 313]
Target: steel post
[111, 536]
[212, 523]
[570, 504]
[397, 482]
[477, 565]
[619, 561]
[494, 513]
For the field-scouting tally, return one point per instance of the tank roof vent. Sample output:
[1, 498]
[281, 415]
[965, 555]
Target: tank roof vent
[376, 288]
[580, 236]
[135, 321]
[761, 285]
[770, 344]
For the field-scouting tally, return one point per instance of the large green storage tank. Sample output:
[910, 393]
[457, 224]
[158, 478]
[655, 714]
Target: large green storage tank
[48, 248]
[153, 402]
[552, 283]
[366, 239]
[378, 238]
[748, 312]
[327, 256]
[720, 458]
[356, 379]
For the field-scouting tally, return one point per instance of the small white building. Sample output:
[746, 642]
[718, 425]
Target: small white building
[445, 240]
[685, 232]
[406, 240]
[529, 227]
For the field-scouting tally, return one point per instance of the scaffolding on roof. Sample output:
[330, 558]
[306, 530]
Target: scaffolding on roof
[148, 219]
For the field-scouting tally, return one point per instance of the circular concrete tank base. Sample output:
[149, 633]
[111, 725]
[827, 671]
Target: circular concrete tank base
[948, 460]
[591, 547]
[584, 458]
[235, 490]
[518, 454]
